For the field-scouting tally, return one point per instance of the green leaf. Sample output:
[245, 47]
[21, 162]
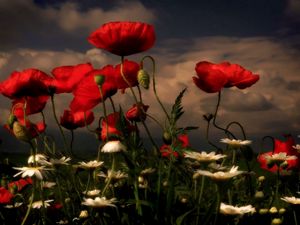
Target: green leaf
[177, 109]
[180, 219]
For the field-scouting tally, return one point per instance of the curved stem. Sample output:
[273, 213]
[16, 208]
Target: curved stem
[154, 85]
[113, 165]
[104, 111]
[207, 138]
[239, 125]
[112, 104]
[29, 206]
[215, 116]
[155, 120]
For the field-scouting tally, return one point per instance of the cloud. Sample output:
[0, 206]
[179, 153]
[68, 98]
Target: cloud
[24, 24]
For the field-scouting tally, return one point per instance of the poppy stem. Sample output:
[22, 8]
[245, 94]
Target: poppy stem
[104, 110]
[112, 104]
[154, 84]
[58, 124]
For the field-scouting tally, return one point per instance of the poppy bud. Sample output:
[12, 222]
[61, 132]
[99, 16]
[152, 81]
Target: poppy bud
[137, 112]
[208, 117]
[143, 78]
[99, 79]
[167, 138]
[21, 132]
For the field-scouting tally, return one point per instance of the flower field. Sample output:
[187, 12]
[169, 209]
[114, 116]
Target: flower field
[130, 182]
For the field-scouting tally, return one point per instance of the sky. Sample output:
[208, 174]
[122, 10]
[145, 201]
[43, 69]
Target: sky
[260, 35]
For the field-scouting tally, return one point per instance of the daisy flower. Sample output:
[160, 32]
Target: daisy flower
[234, 210]
[92, 192]
[279, 157]
[39, 204]
[113, 146]
[203, 156]
[91, 164]
[38, 158]
[220, 175]
[99, 202]
[235, 142]
[291, 200]
[30, 171]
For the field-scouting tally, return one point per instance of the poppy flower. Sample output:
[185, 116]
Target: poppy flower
[123, 38]
[33, 105]
[20, 184]
[5, 196]
[87, 94]
[285, 147]
[68, 77]
[212, 77]
[130, 71]
[137, 113]
[114, 127]
[72, 120]
[181, 142]
[29, 82]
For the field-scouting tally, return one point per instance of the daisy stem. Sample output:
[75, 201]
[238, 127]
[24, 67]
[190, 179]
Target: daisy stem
[218, 203]
[277, 186]
[30, 205]
[200, 198]
[295, 217]
[58, 124]
[113, 165]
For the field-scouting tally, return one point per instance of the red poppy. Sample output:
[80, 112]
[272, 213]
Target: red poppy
[182, 141]
[137, 113]
[33, 105]
[87, 94]
[281, 146]
[123, 38]
[5, 196]
[72, 120]
[68, 77]
[20, 184]
[110, 126]
[212, 77]
[29, 82]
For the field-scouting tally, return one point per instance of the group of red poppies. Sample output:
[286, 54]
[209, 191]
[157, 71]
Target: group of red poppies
[31, 88]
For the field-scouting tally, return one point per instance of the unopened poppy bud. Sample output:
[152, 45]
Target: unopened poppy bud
[273, 210]
[99, 79]
[259, 194]
[143, 78]
[208, 117]
[11, 119]
[276, 221]
[263, 211]
[282, 211]
[167, 138]
[21, 132]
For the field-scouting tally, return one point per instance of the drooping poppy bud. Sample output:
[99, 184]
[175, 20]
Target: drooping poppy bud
[143, 78]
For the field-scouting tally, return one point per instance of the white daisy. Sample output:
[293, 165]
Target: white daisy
[203, 156]
[234, 210]
[91, 164]
[30, 171]
[220, 175]
[235, 142]
[279, 157]
[115, 175]
[92, 192]
[39, 204]
[62, 161]
[47, 184]
[15, 205]
[297, 147]
[148, 171]
[291, 200]
[99, 202]
[38, 158]
[113, 146]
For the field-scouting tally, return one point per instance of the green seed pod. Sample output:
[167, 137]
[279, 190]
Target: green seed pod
[167, 138]
[99, 79]
[21, 132]
[143, 78]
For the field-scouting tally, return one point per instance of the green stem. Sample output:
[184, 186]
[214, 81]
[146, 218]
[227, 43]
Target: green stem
[218, 204]
[112, 103]
[200, 198]
[30, 205]
[295, 217]
[113, 165]
[104, 111]
[207, 138]
[58, 124]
